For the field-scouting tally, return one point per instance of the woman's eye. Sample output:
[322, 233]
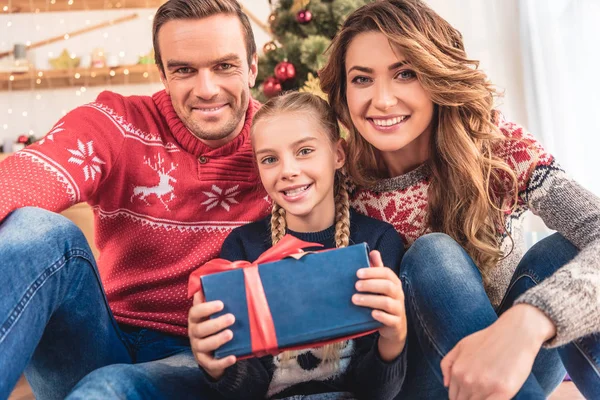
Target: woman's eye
[305, 151]
[361, 80]
[406, 75]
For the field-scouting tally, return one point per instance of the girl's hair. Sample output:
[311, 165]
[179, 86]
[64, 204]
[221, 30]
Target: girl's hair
[316, 108]
[468, 181]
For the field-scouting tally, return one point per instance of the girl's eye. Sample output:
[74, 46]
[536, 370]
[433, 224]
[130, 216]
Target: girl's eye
[305, 151]
[360, 80]
[268, 160]
[406, 75]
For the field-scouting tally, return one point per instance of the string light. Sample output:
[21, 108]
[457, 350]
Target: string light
[5, 126]
[5, 8]
[38, 81]
[11, 78]
[112, 72]
[77, 75]
[24, 113]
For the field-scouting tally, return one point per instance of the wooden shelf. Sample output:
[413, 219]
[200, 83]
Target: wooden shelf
[78, 77]
[35, 6]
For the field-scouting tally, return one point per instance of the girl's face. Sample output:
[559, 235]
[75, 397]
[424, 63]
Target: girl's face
[387, 104]
[297, 164]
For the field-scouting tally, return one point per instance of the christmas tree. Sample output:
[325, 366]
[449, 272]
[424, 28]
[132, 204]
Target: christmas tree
[302, 31]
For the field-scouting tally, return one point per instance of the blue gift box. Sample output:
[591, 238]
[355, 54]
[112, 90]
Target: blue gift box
[310, 299]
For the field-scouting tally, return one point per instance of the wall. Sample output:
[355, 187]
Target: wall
[488, 30]
[35, 112]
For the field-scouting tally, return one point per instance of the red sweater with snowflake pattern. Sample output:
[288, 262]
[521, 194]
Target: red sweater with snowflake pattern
[163, 201]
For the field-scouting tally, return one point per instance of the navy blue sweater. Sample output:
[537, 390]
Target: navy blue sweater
[360, 371]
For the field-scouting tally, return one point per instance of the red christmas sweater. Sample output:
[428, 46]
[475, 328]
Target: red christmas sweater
[163, 201]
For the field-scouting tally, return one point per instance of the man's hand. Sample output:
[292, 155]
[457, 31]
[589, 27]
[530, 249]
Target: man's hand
[495, 362]
[207, 335]
[386, 297]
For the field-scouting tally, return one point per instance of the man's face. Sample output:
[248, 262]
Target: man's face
[207, 75]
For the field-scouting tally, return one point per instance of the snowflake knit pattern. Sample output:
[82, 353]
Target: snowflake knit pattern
[163, 201]
[571, 297]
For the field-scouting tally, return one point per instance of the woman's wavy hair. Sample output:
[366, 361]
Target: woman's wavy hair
[468, 180]
[317, 109]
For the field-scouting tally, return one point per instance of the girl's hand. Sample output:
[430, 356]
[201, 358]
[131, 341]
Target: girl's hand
[386, 298]
[207, 335]
[495, 362]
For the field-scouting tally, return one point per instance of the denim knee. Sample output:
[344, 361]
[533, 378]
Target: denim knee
[546, 256]
[117, 381]
[31, 231]
[436, 258]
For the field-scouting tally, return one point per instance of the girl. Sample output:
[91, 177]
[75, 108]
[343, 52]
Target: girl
[432, 155]
[300, 157]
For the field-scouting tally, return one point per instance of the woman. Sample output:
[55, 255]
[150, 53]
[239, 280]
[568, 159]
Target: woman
[431, 156]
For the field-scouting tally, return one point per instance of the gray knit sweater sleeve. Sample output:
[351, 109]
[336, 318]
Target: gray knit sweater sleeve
[571, 296]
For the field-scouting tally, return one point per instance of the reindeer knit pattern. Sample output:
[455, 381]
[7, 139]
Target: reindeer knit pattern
[163, 201]
[570, 297]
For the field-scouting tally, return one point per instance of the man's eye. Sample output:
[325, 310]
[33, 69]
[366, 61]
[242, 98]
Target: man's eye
[225, 66]
[183, 70]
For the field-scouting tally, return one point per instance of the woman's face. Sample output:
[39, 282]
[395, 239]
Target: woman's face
[387, 104]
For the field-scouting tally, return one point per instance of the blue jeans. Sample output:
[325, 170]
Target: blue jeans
[446, 301]
[56, 325]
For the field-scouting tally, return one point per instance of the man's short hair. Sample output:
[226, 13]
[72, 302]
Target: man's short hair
[198, 9]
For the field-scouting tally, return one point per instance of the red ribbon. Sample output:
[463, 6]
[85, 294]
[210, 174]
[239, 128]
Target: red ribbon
[262, 329]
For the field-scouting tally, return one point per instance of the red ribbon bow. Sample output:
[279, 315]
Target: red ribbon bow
[262, 329]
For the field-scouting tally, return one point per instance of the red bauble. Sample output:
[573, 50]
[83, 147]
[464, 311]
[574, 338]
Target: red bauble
[23, 139]
[284, 71]
[271, 87]
[304, 16]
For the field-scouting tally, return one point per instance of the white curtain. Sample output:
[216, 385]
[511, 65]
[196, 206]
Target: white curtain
[560, 41]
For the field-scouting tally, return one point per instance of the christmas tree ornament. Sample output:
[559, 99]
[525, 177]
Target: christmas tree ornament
[65, 60]
[269, 47]
[271, 87]
[285, 71]
[304, 16]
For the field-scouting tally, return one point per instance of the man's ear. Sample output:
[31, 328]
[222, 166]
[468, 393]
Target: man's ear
[340, 153]
[253, 71]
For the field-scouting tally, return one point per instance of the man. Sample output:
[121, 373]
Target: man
[168, 177]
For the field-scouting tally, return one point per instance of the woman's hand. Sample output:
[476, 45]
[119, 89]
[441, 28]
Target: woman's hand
[495, 362]
[386, 297]
[207, 335]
